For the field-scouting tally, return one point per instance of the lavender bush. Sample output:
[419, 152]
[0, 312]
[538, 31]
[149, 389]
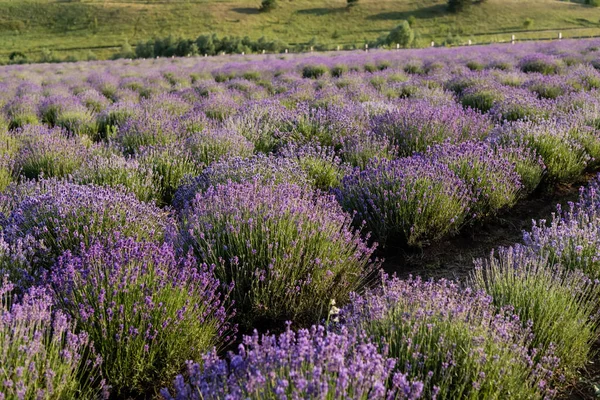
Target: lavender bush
[146, 310]
[453, 340]
[492, 177]
[562, 306]
[42, 356]
[64, 215]
[407, 201]
[312, 363]
[288, 250]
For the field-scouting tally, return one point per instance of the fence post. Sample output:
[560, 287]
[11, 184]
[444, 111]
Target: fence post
[432, 43]
[512, 39]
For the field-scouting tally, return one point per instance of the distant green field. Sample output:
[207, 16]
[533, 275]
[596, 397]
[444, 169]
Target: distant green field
[101, 26]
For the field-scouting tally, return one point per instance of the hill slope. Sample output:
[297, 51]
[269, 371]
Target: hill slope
[75, 27]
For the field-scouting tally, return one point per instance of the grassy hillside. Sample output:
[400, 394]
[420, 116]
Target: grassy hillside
[76, 27]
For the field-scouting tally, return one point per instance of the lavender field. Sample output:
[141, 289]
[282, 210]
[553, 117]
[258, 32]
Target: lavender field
[217, 228]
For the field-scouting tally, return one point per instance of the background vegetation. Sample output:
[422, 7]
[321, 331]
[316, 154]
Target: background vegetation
[88, 29]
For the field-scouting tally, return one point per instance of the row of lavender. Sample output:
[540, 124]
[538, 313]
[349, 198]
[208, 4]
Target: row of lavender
[123, 314]
[152, 211]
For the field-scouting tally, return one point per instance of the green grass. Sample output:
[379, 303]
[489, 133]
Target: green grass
[74, 27]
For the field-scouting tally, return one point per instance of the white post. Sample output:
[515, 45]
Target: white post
[338, 48]
[432, 43]
[397, 46]
[243, 53]
[559, 35]
[366, 47]
[263, 51]
[311, 49]
[512, 39]
[286, 50]
[470, 42]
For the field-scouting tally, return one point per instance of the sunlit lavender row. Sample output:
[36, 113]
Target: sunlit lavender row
[214, 228]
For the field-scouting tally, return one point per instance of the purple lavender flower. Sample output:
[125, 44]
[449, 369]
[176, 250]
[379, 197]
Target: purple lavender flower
[146, 310]
[312, 363]
[42, 356]
[407, 201]
[288, 250]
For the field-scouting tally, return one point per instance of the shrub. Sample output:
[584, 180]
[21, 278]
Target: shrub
[268, 5]
[64, 216]
[114, 116]
[539, 63]
[407, 201]
[492, 177]
[288, 250]
[118, 172]
[148, 129]
[312, 363]
[339, 70]
[402, 34]
[42, 356]
[261, 123]
[358, 150]
[21, 112]
[564, 157]
[79, 122]
[48, 152]
[453, 340]
[415, 125]
[481, 99]
[528, 23]
[560, 305]
[146, 310]
[352, 2]
[213, 145]
[314, 71]
[571, 239]
[321, 164]
[168, 166]
[260, 168]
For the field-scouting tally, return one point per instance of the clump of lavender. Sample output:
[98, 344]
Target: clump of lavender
[148, 129]
[539, 62]
[323, 167]
[114, 116]
[264, 169]
[358, 150]
[168, 165]
[492, 178]
[22, 111]
[42, 357]
[64, 215]
[527, 163]
[78, 121]
[146, 310]
[517, 104]
[288, 250]
[213, 145]
[453, 340]
[48, 152]
[572, 237]
[407, 201]
[261, 123]
[481, 97]
[414, 125]
[555, 141]
[313, 363]
[561, 304]
[118, 172]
